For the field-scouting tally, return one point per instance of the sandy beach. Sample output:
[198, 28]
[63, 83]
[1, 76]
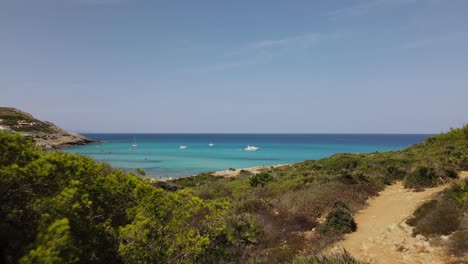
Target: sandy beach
[256, 169]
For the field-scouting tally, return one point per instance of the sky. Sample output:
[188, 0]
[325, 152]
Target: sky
[159, 66]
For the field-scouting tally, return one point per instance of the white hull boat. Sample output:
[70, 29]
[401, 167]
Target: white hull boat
[251, 148]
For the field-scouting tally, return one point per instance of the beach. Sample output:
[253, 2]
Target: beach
[254, 170]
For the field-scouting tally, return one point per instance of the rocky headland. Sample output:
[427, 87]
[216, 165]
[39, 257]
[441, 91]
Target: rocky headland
[43, 133]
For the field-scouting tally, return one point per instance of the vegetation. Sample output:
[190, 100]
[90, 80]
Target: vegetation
[446, 215]
[337, 258]
[339, 220]
[10, 117]
[458, 244]
[288, 202]
[63, 208]
[422, 177]
[260, 179]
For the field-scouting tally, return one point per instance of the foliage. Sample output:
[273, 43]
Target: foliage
[54, 245]
[458, 244]
[260, 179]
[339, 220]
[422, 211]
[244, 229]
[63, 208]
[11, 116]
[422, 177]
[14, 149]
[444, 215]
[140, 171]
[453, 134]
[294, 197]
[442, 220]
[459, 192]
[336, 258]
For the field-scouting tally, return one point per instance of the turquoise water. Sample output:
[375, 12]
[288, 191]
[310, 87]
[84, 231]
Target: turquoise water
[160, 156]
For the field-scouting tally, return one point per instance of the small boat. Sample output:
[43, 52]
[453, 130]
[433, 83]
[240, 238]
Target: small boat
[210, 145]
[134, 145]
[251, 148]
[183, 147]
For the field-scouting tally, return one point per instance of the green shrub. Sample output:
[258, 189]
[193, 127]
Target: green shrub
[214, 191]
[167, 186]
[451, 173]
[422, 211]
[243, 229]
[339, 220]
[140, 171]
[245, 173]
[340, 161]
[252, 206]
[395, 173]
[260, 179]
[442, 218]
[336, 258]
[58, 207]
[197, 180]
[459, 192]
[422, 177]
[353, 176]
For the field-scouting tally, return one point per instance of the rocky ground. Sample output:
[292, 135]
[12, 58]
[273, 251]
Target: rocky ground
[43, 133]
[57, 140]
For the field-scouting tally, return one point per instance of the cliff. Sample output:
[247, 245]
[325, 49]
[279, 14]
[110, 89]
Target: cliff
[43, 133]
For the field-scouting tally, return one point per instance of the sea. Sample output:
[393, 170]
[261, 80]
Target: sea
[160, 155]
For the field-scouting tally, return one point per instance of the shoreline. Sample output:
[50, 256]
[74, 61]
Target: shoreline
[233, 172]
[236, 171]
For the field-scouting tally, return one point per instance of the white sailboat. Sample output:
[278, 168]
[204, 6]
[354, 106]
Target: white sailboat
[183, 147]
[210, 145]
[251, 148]
[134, 145]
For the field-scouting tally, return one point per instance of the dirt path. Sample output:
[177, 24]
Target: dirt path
[384, 237]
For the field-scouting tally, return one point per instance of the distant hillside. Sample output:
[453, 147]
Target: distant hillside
[43, 133]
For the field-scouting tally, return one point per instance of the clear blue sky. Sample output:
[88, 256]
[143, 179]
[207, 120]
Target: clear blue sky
[345, 66]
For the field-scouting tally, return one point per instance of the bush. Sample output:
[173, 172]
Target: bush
[451, 173]
[353, 177]
[58, 207]
[459, 192]
[422, 177]
[260, 179]
[436, 218]
[245, 173]
[252, 206]
[168, 187]
[336, 258]
[395, 173]
[243, 229]
[458, 244]
[140, 171]
[421, 212]
[339, 220]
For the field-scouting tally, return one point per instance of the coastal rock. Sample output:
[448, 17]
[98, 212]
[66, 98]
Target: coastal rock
[43, 133]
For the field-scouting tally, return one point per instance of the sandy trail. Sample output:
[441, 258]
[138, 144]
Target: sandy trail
[384, 237]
